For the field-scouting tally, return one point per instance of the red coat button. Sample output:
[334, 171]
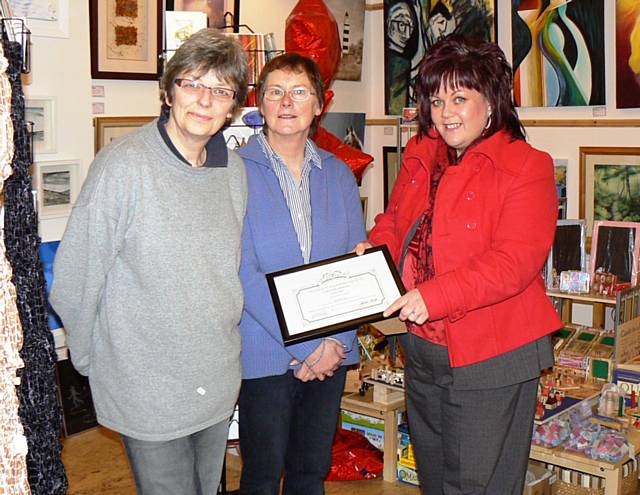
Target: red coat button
[469, 195]
[472, 226]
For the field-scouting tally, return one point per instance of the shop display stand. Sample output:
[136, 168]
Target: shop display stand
[627, 345]
[363, 404]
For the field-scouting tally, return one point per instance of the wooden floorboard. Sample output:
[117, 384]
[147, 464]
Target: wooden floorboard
[96, 465]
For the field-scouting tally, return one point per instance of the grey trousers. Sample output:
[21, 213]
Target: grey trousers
[190, 465]
[471, 442]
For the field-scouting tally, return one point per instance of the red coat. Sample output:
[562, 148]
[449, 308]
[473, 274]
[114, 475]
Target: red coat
[493, 225]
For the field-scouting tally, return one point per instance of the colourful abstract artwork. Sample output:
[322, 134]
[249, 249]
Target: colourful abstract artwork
[628, 54]
[412, 26]
[558, 52]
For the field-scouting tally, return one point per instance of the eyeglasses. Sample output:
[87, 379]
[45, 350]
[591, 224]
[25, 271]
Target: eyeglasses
[296, 94]
[195, 88]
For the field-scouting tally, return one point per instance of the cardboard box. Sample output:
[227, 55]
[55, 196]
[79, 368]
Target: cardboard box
[408, 475]
[370, 428]
[542, 482]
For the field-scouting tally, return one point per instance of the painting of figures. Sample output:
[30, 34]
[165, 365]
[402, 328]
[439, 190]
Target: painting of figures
[412, 26]
[628, 54]
[558, 52]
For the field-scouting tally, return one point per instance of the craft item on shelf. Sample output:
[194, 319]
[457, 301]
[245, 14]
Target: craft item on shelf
[560, 337]
[610, 446]
[603, 283]
[609, 400]
[552, 433]
[575, 352]
[574, 282]
[582, 436]
[389, 376]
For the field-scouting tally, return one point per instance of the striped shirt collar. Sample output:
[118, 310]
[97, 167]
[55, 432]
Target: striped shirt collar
[311, 154]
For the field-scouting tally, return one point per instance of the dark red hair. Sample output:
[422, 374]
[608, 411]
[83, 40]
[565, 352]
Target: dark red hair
[460, 62]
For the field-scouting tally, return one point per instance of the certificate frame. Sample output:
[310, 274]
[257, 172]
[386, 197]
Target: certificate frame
[373, 274]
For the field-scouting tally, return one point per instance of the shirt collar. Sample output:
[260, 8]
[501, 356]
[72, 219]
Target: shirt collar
[311, 154]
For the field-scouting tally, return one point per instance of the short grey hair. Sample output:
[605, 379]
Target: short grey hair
[204, 51]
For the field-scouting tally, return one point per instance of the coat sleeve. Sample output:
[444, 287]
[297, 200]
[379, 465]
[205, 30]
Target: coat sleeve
[86, 253]
[520, 244]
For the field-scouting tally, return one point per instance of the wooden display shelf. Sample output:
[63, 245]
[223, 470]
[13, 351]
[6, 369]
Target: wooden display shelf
[611, 472]
[363, 404]
[590, 298]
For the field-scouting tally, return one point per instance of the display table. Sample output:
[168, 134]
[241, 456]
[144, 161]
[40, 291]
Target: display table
[611, 472]
[363, 404]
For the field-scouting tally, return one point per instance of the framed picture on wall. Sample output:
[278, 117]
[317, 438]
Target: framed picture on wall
[220, 13]
[126, 39]
[609, 184]
[391, 166]
[40, 112]
[48, 18]
[560, 172]
[106, 129]
[57, 185]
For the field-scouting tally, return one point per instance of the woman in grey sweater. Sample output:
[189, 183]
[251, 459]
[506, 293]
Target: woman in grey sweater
[146, 276]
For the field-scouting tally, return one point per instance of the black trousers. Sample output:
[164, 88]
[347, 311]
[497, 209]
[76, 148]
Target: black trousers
[287, 428]
[469, 442]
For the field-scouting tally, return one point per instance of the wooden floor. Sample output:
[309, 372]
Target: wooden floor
[96, 465]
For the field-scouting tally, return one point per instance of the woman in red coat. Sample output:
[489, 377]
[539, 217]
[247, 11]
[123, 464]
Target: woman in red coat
[470, 222]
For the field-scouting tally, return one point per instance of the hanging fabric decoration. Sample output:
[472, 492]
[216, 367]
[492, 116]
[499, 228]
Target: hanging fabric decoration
[39, 408]
[13, 444]
[312, 31]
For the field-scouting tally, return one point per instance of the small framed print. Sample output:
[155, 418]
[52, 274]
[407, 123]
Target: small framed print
[391, 164]
[40, 111]
[126, 39]
[47, 18]
[615, 248]
[106, 129]
[57, 184]
[221, 14]
[568, 252]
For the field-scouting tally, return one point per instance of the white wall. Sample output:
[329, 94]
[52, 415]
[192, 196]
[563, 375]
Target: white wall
[70, 83]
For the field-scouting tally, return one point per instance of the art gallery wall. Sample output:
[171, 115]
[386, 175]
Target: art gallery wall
[61, 67]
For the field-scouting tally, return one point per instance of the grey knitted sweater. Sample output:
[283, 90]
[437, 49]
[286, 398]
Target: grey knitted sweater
[146, 284]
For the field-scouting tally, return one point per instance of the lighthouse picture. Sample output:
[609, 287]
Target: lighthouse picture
[349, 15]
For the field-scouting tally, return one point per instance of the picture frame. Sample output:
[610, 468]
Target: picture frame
[46, 18]
[568, 251]
[615, 247]
[106, 129]
[57, 184]
[41, 111]
[222, 14]
[391, 167]
[609, 180]
[364, 203]
[126, 39]
[560, 166]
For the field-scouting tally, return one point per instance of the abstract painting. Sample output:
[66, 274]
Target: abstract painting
[628, 54]
[412, 26]
[558, 52]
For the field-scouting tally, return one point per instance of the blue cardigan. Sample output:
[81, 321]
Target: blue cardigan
[269, 243]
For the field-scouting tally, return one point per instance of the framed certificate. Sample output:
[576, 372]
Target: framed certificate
[331, 295]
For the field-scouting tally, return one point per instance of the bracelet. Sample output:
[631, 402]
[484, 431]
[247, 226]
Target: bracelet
[311, 365]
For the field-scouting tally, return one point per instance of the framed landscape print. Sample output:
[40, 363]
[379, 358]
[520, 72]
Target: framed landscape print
[40, 112]
[126, 39]
[57, 185]
[609, 184]
[47, 18]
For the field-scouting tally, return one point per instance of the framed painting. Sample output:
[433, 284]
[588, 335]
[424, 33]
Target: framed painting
[40, 112]
[609, 184]
[126, 39]
[221, 14]
[106, 129]
[627, 50]
[48, 18]
[560, 172]
[568, 251]
[615, 248]
[349, 15]
[391, 165]
[412, 26]
[558, 53]
[57, 184]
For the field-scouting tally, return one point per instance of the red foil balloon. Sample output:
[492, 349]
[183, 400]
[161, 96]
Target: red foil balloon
[311, 30]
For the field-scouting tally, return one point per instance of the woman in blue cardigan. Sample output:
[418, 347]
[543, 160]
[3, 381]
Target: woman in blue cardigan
[303, 206]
